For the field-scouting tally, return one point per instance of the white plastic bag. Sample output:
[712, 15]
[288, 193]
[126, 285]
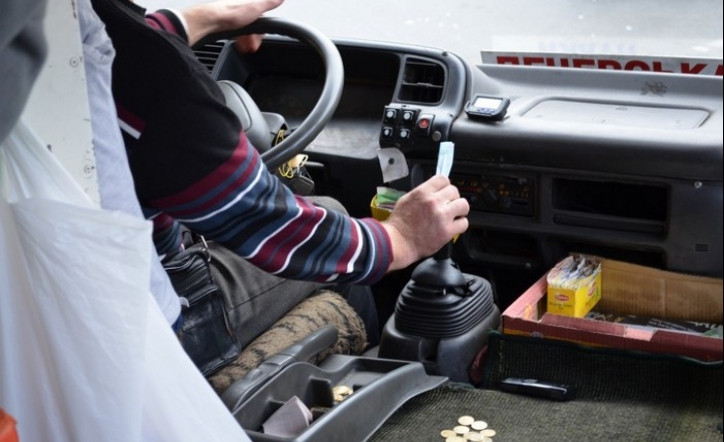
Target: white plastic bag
[85, 352]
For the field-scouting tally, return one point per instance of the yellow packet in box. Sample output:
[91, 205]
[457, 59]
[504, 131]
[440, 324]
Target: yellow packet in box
[574, 286]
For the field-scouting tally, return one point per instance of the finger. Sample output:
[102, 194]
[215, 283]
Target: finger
[272, 4]
[458, 208]
[247, 44]
[448, 193]
[460, 225]
[434, 183]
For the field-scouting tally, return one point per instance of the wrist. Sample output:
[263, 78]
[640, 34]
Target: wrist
[403, 254]
[199, 21]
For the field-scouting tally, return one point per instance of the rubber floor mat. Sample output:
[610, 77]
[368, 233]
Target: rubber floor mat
[619, 396]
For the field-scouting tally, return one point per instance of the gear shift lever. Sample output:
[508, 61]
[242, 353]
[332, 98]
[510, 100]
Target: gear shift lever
[440, 271]
[442, 317]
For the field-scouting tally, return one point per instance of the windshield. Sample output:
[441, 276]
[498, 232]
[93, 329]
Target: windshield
[687, 30]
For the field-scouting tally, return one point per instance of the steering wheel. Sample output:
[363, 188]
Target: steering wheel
[328, 99]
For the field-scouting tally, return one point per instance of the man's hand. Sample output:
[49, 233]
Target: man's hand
[225, 15]
[424, 220]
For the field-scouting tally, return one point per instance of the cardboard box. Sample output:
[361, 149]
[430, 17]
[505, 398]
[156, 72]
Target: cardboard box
[580, 294]
[629, 289]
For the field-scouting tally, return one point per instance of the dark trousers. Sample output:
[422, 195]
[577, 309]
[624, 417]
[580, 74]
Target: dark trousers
[255, 299]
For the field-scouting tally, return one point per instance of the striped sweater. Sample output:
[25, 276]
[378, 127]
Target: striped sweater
[193, 164]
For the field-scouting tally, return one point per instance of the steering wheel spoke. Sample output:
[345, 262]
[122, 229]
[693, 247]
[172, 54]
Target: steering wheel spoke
[298, 139]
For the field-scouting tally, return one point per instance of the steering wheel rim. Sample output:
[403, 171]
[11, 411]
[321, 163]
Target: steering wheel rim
[328, 99]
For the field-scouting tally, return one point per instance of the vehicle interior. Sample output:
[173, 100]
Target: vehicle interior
[622, 165]
[619, 166]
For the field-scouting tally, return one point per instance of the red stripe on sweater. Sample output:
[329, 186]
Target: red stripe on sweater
[212, 181]
[130, 119]
[160, 21]
[380, 237]
[352, 247]
[162, 221]
[274, 253]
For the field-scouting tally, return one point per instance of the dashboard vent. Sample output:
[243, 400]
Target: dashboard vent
[423, 81]
[209, 53]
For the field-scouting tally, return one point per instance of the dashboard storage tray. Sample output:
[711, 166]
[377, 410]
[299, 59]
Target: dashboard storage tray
[378, 388]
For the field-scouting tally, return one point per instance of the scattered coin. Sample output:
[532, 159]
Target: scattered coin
[466, 420]
[461, 429]
[463, 433]
[447, 433]
[342, 390]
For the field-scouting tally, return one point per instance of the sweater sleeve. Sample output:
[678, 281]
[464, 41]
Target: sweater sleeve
[193, 162]
[169, 20]
[244, 207]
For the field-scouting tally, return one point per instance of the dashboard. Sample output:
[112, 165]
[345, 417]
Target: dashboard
[625, 165]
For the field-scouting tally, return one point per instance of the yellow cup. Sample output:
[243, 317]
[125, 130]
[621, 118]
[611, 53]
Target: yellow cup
[378, 213]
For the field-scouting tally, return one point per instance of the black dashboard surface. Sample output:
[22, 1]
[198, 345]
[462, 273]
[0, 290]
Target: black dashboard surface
[626, 165]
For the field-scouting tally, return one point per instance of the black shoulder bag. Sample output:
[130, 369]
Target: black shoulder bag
[205, 334]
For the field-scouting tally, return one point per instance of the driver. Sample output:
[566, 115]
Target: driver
[192, 164]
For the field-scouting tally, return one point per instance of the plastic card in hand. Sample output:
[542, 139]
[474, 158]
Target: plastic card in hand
[445, 158]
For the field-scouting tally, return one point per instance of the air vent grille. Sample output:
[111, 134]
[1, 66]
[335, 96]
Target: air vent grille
[209, 53]
[423, 82]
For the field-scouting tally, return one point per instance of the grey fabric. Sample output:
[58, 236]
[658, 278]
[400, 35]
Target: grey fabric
[22, 53]
[620, 395]
[255, 299]
[521, 419]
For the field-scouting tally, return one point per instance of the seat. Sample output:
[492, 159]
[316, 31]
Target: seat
[322, 309]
